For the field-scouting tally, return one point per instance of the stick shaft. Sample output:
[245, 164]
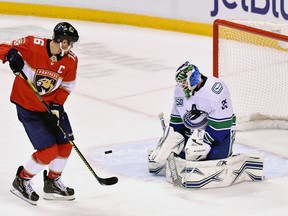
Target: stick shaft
[161, 117]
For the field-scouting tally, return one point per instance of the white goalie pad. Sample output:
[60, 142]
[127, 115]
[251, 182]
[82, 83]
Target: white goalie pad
[154, 167]
[217, 173]
[170, 142]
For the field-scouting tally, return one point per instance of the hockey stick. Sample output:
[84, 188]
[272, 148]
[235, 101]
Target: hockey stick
[102, 181]
[161, 118]
[176, 180]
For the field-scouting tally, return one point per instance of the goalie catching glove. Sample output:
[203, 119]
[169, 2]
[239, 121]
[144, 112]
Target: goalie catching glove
[196, 149]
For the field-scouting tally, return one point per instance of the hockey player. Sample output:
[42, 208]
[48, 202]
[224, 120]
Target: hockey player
[196, 148]
[202, 121]
[51, 66]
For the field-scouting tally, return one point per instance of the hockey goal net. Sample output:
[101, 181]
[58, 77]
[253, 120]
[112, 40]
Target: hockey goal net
[251, 57]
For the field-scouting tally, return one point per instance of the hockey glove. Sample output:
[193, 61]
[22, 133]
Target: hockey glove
[16, 62]
[56, 115]
[195, 148]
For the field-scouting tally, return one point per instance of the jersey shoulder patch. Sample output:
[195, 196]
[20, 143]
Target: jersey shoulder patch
[179, 101]
[18, 42]
[217, 88]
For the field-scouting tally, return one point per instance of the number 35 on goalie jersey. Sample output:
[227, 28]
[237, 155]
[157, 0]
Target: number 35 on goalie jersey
[211, 102]
[54, 80]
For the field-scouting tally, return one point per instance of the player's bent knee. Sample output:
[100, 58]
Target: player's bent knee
[46, 155]
[64, 150]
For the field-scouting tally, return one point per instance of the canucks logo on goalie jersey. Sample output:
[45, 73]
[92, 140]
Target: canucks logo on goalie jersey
[195, 118]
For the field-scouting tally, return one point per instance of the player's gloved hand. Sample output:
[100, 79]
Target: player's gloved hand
[16, 62]
[195, 148]
[56, 114]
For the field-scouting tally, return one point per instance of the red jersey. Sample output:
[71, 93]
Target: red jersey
[53, 80]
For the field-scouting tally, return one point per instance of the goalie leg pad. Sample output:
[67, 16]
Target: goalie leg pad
[218, 173]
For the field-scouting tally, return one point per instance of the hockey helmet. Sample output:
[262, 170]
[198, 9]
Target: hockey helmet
[65, 30]
[189, 73]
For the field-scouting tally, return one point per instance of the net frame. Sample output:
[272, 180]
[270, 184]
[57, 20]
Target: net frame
[254, 30]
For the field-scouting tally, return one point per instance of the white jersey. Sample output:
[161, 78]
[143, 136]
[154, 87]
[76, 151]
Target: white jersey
[212, 99]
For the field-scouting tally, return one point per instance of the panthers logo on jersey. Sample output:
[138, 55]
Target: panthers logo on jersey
[195, 119]
[45, 80]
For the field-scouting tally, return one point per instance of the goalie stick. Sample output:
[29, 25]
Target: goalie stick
[176, 180]
[102, 181]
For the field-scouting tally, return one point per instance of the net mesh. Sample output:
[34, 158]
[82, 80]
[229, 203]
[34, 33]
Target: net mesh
[255, 68]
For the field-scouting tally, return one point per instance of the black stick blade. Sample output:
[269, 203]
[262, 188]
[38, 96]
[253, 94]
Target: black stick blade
[108, 181]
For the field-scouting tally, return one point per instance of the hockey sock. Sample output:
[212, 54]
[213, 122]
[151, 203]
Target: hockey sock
[32, 167]
[56, 167]
[53, 175]
[24, 174]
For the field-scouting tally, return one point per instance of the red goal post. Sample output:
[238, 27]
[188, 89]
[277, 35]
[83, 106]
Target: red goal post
[251, 57]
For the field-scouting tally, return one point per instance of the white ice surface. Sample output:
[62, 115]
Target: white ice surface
[125, 79]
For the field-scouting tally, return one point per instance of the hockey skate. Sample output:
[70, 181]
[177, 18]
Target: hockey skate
[23, 189]
[54, 189]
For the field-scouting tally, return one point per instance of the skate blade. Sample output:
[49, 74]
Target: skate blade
[58, 197]
[18, 194]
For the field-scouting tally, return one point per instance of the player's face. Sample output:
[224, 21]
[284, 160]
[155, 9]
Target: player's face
[65, 45]
[184, 84]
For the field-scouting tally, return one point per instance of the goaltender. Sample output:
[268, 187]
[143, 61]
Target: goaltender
[202, 115]
[196, 148]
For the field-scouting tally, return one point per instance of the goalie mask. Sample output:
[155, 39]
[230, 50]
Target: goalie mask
[188, 77]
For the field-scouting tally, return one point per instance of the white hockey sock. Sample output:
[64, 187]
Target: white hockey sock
[58, 165]
[33, 168]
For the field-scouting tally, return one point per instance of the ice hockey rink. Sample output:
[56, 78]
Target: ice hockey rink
[125, 79]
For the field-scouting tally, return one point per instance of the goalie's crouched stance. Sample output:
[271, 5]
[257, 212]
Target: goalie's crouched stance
[196, 149]
[194, 173]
